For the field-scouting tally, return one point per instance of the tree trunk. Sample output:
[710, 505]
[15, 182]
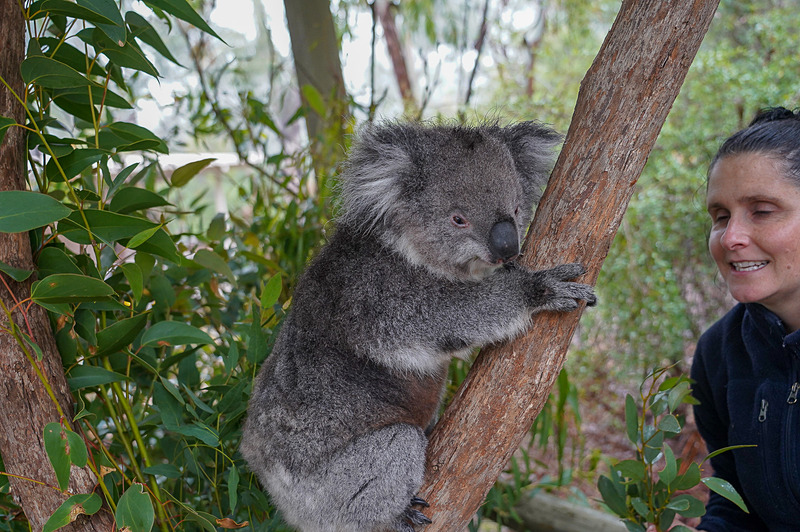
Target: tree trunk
[316, 59]
[26, 405]
[623, 102]
[382, 8]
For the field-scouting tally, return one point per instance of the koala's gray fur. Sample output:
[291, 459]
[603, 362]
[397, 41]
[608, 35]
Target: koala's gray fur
[419, 270]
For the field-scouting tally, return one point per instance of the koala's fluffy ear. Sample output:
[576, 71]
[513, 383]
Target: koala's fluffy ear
[371, 183]
[531, 145]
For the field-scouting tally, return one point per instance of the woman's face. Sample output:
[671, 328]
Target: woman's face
[755, 232]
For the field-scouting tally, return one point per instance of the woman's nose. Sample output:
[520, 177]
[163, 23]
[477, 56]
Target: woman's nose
[735, 235]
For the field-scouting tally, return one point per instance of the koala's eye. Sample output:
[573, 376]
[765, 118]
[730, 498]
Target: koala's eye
[459, 221]
[516, 211]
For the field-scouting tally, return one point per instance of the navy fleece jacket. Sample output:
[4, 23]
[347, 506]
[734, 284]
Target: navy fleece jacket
[747, 373]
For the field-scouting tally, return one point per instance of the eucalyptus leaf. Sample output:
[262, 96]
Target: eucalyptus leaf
[18, 274]
[5, 123]
[724, 488]
[22, 210]
[120, 334]
[215, 263]
[271, 292]
[69, 288]
[124, 136]
[68, 166]
[174, 333]
[133, 273]
[71, 509]
[631, 419]
[53, 259]
[135, 510]
[612, 496]
[80, 10]
[182, 10]
[49, 73]
[184, 174]
[142, 30]
[86, 376]
[55, 445]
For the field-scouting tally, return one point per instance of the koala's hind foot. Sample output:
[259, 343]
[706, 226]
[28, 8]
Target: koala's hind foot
[554, 291]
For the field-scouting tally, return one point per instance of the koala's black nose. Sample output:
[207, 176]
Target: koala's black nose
[503, 241]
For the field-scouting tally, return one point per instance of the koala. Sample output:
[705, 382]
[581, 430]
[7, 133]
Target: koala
[419, 270]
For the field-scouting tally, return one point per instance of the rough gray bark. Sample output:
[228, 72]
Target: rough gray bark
[25, 404]
[623, 102]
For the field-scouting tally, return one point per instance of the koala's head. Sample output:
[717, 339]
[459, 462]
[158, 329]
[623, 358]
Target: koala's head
[454, 199]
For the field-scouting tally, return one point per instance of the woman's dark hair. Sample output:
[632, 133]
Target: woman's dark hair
[774, 131]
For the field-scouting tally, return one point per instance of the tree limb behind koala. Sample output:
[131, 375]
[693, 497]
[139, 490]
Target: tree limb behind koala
[623, 102]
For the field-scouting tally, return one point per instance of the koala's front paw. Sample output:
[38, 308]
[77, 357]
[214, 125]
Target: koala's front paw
[413, 517]
[558, 294]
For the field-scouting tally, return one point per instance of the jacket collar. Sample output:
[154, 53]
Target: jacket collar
[764, 334]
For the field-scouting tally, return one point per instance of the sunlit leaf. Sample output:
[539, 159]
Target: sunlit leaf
[184, 174]
[142, 237]
[22, 210]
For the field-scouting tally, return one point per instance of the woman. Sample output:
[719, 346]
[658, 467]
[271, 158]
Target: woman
[747, 365]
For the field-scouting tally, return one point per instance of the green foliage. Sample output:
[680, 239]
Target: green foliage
[640, 490]
[161, 316]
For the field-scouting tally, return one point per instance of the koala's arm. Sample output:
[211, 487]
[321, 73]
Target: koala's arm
[500, 306]
[417, 317]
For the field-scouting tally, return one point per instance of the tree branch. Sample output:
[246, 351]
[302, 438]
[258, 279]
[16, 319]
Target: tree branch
[623, 102]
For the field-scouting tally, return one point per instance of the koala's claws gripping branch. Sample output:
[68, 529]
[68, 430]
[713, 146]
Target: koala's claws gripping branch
[416, 517]
[416, 501]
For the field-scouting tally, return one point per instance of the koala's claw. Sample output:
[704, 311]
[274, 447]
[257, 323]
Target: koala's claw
[417, 501]
[416, 517]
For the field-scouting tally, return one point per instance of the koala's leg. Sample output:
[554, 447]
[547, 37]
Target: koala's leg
[371, 484]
